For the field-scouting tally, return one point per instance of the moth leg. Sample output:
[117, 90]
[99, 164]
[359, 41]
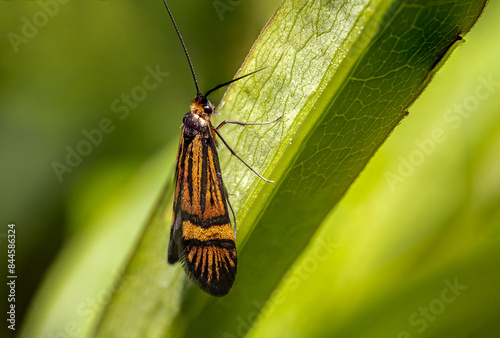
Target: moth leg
[246, 123]
[239, 158]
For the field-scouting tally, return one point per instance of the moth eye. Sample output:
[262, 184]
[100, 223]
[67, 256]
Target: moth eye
[207, 108]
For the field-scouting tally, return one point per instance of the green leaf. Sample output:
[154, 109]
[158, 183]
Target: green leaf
[342, 74]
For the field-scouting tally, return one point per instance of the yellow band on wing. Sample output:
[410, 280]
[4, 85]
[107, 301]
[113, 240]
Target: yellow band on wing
[216, 232]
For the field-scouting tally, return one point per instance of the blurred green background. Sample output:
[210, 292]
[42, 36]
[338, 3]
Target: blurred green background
[395, 239]
[77, 60]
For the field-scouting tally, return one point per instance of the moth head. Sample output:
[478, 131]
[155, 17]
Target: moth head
[202, 107]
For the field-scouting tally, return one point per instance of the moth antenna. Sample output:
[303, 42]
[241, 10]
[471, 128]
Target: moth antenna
[183, 46]
[233, 80]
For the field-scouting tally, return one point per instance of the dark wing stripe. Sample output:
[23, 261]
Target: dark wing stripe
[221, 243]
[219, 220]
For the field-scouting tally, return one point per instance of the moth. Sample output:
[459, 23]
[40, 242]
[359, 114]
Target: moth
[201, 235]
